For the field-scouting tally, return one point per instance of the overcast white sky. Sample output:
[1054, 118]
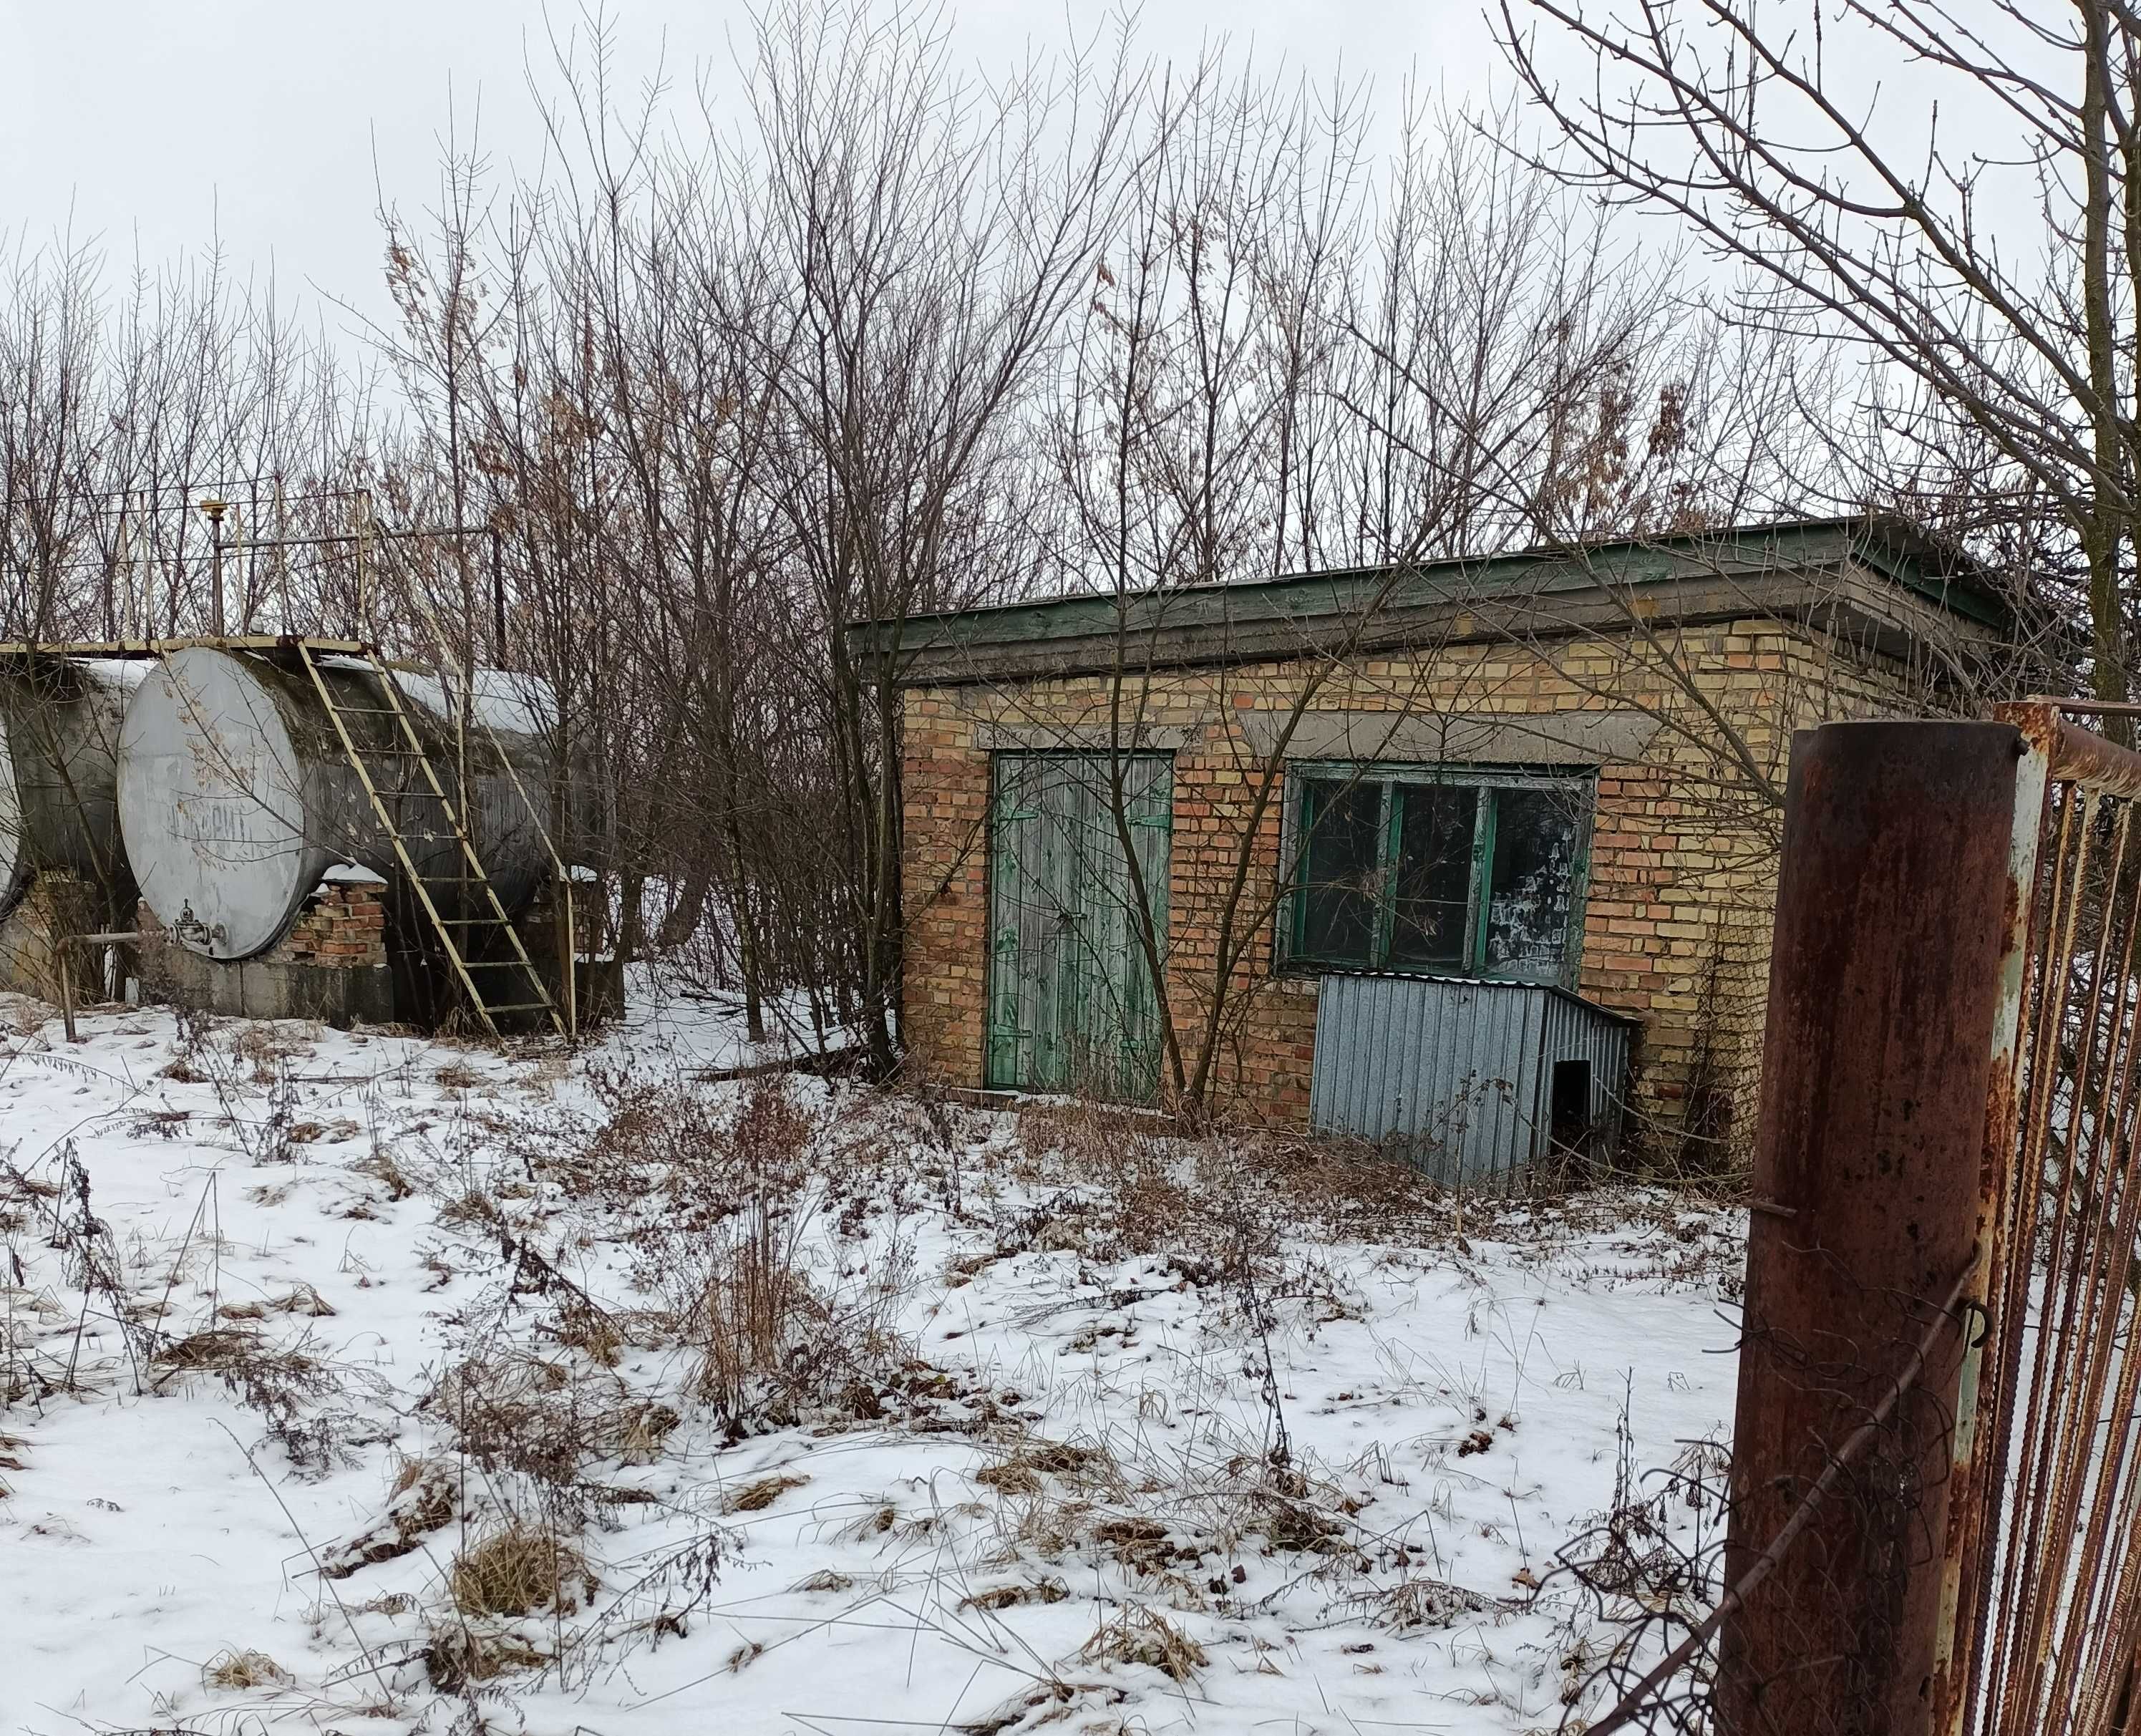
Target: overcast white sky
[158, 124]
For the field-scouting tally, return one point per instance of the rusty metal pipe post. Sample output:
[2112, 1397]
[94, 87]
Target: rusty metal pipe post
[1889, 980]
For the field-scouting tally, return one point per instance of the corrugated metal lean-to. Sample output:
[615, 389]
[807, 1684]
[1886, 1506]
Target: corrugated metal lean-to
[1474, 1080]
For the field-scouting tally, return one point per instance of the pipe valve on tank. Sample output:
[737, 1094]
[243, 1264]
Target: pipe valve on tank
[190, 927]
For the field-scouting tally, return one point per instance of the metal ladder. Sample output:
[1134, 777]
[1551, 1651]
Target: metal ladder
[412, 748]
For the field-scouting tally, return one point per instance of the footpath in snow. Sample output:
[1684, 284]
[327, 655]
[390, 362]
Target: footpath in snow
[361, 1383]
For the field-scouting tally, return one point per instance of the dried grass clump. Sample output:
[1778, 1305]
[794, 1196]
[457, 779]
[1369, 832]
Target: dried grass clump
[1004, 1597]
[422, 1498]
[519, 1569]
[306, 1300]
[1023, 1471]
[1138, 1634]
[380, 1167]
[1291, 1524]
[874, 1522]
[457, 1657]
[473, 1210]
[1048, 1529]
[1143, 1544]
[773, 1349]
[244, 1669]
[754, 1497]
[515, 1410]
[1412, 1604]
[212, 1350]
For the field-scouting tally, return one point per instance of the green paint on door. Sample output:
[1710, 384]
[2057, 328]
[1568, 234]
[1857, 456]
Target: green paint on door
[1071, 1006]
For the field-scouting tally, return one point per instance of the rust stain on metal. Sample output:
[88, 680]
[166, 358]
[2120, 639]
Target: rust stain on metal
[2075, 754]
[2054, 1555]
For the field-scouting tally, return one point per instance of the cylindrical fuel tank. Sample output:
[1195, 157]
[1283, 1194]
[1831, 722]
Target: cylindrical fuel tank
[236, 796]
[60, 720]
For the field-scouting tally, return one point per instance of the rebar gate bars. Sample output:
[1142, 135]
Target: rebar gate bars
[2048, 1562]
[1946, 1543]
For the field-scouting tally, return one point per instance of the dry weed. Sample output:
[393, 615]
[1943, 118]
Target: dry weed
[545, 1417]
[519, 1569]
[773, 1349]
[1004, 1597]
[1021, 1472]
[285, 1384]
[1138, 1635]
[754, 1497]
[457, 1657]
[244, 1669]
[1413, 1603]
[424, 1497]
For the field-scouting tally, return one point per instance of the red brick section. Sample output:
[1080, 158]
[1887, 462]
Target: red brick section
[1682, 867]
[343, 925]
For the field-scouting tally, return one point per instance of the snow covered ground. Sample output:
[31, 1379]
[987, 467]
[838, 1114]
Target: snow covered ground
[356, 1382]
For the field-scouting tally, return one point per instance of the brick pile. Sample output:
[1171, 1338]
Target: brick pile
[343, 926]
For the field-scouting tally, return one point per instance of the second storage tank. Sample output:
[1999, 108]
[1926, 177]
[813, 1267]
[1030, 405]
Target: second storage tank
[59, 740]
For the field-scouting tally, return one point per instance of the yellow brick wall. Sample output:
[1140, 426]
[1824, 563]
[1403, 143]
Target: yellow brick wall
[1682, 865]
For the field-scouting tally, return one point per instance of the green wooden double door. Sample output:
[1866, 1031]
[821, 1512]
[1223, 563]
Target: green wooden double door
[1071, 1006]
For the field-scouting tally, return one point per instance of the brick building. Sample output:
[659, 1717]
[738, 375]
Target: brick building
[1562, 769]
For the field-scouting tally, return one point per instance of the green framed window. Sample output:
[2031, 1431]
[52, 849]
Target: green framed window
[1444, 870]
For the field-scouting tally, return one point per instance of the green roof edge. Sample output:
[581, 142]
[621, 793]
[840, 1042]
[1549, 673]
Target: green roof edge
[1897, 549]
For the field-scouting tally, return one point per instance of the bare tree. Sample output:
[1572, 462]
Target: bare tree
[1984, 269]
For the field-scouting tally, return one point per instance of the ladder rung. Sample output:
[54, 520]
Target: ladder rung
[363, 711]
[524, 1007]
[494, 964]
[474, 922]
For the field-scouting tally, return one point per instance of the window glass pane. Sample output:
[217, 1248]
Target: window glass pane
[1433, 897]
[1534, 862]
[1339, 858]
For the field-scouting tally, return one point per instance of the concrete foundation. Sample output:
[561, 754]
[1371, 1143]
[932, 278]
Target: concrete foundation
[268, 988]
[340, 964]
